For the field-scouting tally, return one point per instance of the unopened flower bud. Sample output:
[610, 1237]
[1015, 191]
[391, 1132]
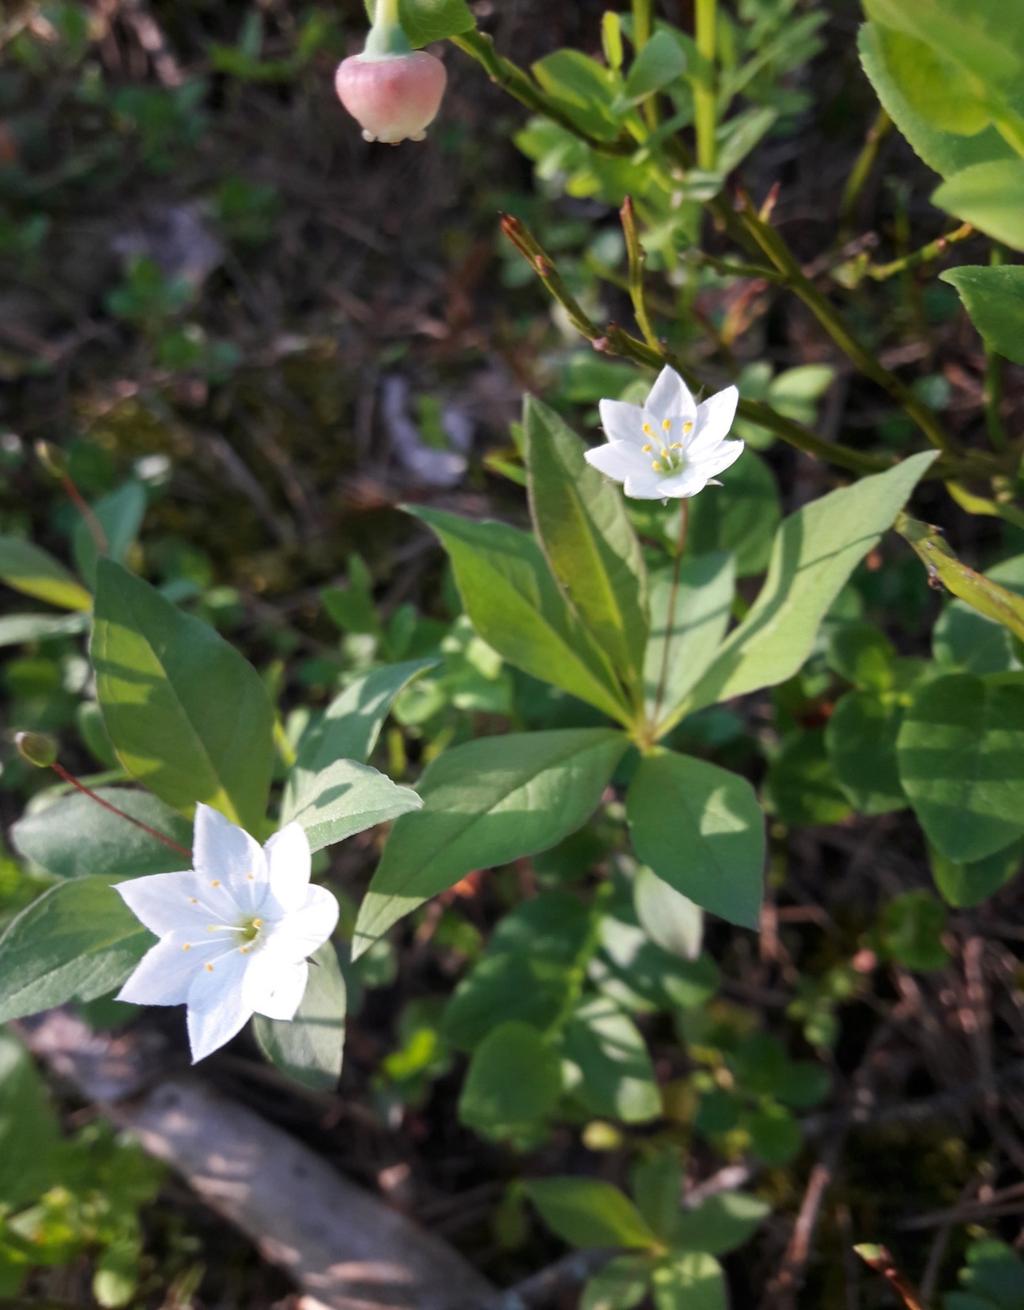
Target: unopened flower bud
[393, 97]
[36, 748]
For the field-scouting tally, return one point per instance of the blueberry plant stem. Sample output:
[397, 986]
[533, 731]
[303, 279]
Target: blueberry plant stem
[72, 781]
[704, 99]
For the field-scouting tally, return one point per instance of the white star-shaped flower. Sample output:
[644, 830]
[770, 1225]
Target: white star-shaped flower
[669, 446]
[235, 931]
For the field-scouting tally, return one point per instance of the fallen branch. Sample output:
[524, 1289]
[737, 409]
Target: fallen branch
[344, 1248]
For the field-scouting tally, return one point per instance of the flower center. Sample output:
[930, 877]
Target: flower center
[671, 456]
[248, 931]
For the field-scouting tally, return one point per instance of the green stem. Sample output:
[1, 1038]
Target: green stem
[635, 256]
[783, 259]
[862, 167]
[643, 25]
[386, 35]
[704, 103]
[684, 523]
[882, 272]
[613, 340]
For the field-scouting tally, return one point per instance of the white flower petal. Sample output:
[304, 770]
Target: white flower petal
[303, 931]
[165, 901]
[714, 419]
[719, 458]
[618, 460]
[687, 483]
[670, 397]
[643, 488]
[288, 866]
[622, 422]
[229, 862]
[217, 1008]
[166, 972]
[274, 989]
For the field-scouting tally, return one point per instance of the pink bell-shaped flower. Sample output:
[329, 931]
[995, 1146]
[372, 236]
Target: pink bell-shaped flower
[391, 90]
[392, 97]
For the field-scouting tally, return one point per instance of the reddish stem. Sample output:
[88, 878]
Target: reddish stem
[70, 778]
[88, 514]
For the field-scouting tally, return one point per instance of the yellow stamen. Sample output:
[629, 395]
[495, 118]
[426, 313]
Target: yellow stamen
[677, 445]
[656, 465]
[208, 968]
[215, 883]
[251, 877]
[647, 430]
[257, 923]
[647, 447]
[187, 946]
[245, 949]
[664, 453]
[193, 900]
[666, 423]
[687, 427]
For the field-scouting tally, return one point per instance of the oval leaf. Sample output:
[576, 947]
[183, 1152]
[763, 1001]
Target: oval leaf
[701, 829]
[484, 803]
[187, 715]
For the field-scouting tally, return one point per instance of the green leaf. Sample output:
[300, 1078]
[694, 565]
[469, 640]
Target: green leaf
[588, 540]
[801, 782]
[991, 196]
[187, 715]
[529, 972]
[959, 753]
[77, 941]
[351, 724]
[701, 829]
[738, 517]
[702, 609]
[34, 572]
[911, 929]
[516, 606]
[660, 63]
[985, 38]
[613, 1073]
[885, 55]
[485, 803]
[18, 628]
[667, 917]
[586, 1213]
[774, 1134]
[73, 837]
[720, 1224]
[994, 298]
[426, 21]
[861, 654]
[513, 1083]
[690, 1282]
[986, 594]
[620, 1285]
[861, 741]
[29, 1131]
[657, 1186]
[120, 515]
[310, 1047]
[584, 89]
[343, 799]
[966, 885]
[815, 551]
